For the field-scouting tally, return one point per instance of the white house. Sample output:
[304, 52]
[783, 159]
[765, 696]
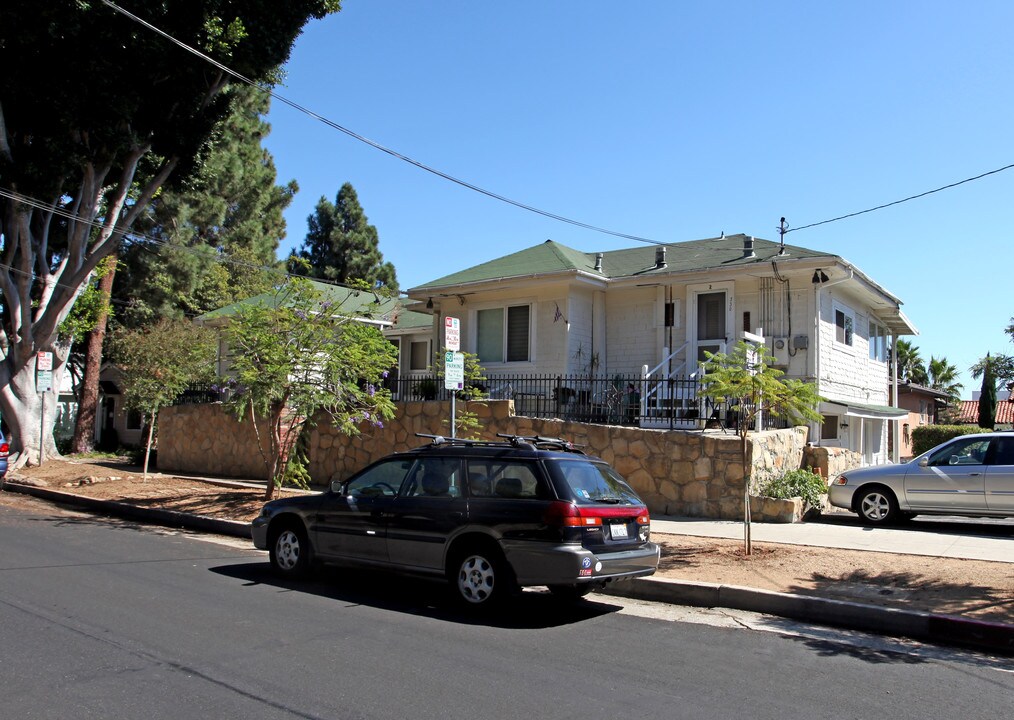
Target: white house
[654, 310]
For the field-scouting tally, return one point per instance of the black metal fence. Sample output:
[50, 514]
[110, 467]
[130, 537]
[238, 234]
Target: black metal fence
[618, 400]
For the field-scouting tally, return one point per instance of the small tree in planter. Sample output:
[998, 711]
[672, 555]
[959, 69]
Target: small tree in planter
[295, 356]
[744, 377]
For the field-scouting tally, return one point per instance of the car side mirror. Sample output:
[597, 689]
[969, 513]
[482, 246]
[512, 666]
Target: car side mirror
[338, 487]
[924, 462]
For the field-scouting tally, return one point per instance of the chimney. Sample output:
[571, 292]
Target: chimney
[660, 257]
[598, 262]
[748, 247]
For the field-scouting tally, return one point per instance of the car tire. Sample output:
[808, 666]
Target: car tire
[481, 577]
[571, 593]
[289, 551]
[877, 505]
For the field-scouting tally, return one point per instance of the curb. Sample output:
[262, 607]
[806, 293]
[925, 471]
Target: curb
[169, 518]
[938, 629]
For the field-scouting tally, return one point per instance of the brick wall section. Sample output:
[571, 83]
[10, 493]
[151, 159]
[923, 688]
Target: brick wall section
[696, 474]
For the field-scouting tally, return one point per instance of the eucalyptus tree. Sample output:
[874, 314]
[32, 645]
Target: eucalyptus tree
[98, 114]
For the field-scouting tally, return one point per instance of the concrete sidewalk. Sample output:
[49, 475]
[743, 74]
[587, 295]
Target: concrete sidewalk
[921, 541]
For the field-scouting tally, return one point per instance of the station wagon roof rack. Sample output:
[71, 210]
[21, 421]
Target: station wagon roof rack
[543, 443]
[535, 442]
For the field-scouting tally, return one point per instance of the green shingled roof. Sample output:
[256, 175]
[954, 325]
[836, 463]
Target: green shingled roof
[344, 301]
[551, 257]
[546, 258]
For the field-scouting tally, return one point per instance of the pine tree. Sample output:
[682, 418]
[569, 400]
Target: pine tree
[341, 245]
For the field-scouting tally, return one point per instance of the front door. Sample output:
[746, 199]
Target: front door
[710, 320]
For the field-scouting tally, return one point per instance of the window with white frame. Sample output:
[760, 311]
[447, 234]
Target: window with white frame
[878, 342]
[419, 355]
[503, 334]
[844, 325]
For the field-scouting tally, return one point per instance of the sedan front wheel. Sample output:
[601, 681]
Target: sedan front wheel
[877, 506]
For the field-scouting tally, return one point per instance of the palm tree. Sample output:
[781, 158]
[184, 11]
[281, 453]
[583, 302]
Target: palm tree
[943, 377]
[911, 367]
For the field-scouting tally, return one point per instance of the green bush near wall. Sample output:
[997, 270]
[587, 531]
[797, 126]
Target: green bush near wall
[927, 437]
[797, 483]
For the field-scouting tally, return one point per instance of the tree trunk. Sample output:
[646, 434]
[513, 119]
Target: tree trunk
[747, 543]
[22, 407]
[147, 445]
[87, 409]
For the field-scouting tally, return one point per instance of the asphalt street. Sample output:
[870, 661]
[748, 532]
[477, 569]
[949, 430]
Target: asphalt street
[103, 618]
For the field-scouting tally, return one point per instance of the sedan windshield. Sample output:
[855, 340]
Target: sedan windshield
[592, 482]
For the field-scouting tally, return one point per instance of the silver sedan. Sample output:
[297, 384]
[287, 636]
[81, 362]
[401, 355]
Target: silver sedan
[969, 475]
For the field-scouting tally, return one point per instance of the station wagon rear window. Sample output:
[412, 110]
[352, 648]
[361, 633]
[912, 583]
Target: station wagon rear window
[592, 482]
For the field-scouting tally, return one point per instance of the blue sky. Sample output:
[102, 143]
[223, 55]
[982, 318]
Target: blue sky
[674, 121]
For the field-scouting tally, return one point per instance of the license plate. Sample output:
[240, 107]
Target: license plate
[618, 531]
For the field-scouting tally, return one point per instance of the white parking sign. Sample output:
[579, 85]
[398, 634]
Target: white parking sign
[454, 371]
[452, 333]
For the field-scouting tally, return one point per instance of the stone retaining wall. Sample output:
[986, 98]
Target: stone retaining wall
[696, 474]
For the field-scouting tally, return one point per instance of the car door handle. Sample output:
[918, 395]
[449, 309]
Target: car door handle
[456, 515]
[974, 474]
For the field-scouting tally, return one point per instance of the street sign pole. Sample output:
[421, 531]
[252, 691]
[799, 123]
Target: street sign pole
[454, 380]
[454, 363]
[43, 383]
[42, 424]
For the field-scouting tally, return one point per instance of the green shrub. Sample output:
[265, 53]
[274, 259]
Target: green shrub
[797, 483]
[926, 437]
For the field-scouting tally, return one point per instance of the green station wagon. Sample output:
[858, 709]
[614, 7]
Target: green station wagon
[489, 516]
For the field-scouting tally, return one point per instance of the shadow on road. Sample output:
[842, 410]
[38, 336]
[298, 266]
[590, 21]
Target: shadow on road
[530, 610]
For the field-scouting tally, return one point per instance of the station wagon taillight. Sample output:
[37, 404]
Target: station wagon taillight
[566, 514]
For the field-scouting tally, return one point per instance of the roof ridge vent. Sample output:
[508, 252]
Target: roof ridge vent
[748, 247]
[598, 262]
[660, 257]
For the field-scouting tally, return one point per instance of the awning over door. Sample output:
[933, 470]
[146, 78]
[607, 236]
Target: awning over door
[858, 410]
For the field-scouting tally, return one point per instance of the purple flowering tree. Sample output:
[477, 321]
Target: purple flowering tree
[298, 358]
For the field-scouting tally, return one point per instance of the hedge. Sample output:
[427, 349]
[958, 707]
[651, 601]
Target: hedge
[927, 437]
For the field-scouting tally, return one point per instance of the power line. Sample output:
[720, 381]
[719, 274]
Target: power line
[898, 202]
[394, 153]
[48, 207]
